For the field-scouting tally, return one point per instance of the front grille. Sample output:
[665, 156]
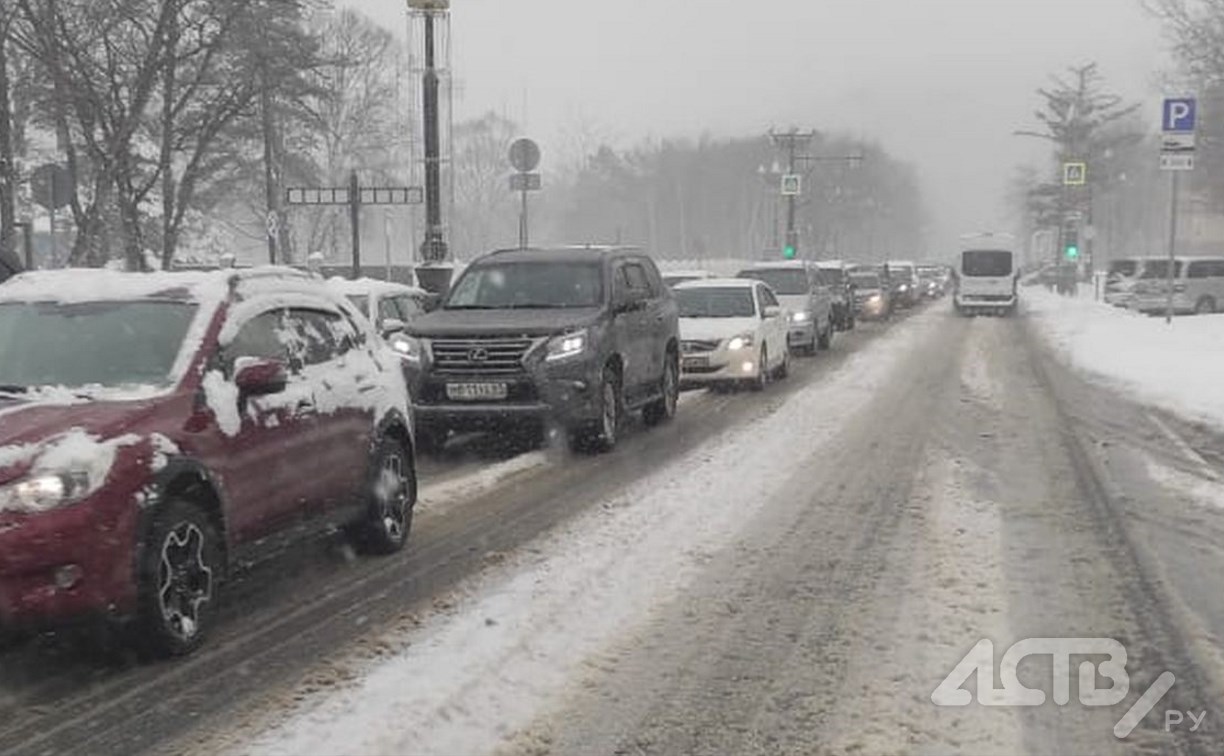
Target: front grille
[696, 347]
[479, 357]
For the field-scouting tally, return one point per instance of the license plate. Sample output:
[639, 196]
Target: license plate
[476, 392]
[696, 362]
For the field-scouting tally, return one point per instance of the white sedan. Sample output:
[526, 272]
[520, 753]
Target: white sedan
[732, 331]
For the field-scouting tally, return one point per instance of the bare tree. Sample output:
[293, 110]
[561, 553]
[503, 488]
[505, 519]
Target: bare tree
[484, 215]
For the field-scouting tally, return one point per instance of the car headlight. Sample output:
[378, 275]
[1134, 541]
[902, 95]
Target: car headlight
[903, 287]
[44, 492]
[740, 342]
[408, 348]
[566, 346]
[801, 317]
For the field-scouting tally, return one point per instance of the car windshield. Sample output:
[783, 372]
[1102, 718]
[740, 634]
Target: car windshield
[865, 280]
[786, 282]
[712, 302]
[361, 302]
[830, 276]
[94, 344]
[1124, 268]
[986, 263]
[1160, 269]
[528, 285]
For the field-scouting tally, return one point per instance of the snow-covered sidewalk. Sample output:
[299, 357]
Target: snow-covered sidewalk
[1179, 367]
[520, 634]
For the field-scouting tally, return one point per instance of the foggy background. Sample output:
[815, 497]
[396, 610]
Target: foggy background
[941, 83]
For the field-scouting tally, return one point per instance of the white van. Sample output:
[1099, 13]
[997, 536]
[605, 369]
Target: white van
[1198, 286]
[986, 282]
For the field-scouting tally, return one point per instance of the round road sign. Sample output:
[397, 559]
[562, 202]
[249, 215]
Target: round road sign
[524, 155]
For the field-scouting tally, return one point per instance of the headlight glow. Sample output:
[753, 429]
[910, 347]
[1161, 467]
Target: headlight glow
[740, 342]
[44, 492]
[566, 346]
[407, 347]
[801, 317]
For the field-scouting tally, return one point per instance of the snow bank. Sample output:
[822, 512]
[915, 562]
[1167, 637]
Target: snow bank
[510, 649]
[1178, 367]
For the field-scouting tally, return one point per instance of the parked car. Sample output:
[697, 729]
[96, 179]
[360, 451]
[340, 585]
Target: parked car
[732, 331]
[903, 277]
[671, 278]
[835, 275]
[809, 302]
[872, 298]
[1198, 286]
[1121, 277]
[161, 427]
[574, 336]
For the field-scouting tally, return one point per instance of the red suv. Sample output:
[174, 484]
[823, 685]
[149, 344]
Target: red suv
[155, 428]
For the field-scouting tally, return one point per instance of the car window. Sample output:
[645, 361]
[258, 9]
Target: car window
[653, 278]
[410, 307]
[716, 302]
[637, 283]
[259, 337]
[528, 285]
[767, 297]
[1200, 269]
[388, 309]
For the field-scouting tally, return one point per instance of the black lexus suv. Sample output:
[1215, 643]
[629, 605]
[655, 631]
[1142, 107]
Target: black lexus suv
[570, 337]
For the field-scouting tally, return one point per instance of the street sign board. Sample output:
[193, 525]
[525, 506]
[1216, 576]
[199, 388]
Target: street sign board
[525, 182]
[792, 185]
[1179, 115]
[1178, 142]
[52, 186]
[1175, 161]
[524, 155]
[339, 195]
[1075, 174]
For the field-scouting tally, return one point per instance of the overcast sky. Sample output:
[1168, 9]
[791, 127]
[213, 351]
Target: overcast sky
[942, 83]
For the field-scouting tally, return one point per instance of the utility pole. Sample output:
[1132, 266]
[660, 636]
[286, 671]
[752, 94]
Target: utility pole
[789, 143]
[433, 274]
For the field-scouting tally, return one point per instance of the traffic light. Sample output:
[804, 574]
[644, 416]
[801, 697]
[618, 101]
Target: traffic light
[1071, 251]
[791, 250]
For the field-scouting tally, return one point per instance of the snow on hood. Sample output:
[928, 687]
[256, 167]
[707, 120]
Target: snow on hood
[716, 329]
[76, 452]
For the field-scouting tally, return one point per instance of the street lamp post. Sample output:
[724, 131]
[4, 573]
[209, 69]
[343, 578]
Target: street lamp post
[433, 275]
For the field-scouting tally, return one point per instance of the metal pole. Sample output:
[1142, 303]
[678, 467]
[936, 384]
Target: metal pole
[434, 246]
[27, 233]
[523, 217]
[355, 222]
[792, 238]
[1176, 187]
[387, 239]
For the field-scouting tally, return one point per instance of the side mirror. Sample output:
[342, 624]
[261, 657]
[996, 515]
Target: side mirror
[771, 311]
[259, 377]
[392, 325]
[629, 304]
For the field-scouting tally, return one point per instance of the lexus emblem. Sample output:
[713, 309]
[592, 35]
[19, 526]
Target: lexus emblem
[479, 354]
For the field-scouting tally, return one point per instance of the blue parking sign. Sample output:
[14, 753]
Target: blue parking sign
[1179, 115]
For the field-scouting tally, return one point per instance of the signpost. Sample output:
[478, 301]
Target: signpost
[524, 158]
[1178, 124]
[1075, 174]
[354, 196]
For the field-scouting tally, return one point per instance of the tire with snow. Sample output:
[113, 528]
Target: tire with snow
[663, 409]
[762, 377]
[825, 339]
[602, 434]
[180, 573]
[390, 496]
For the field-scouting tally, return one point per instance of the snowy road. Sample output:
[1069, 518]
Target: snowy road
[793, 572]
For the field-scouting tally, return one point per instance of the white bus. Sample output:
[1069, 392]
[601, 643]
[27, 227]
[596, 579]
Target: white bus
[986, 282]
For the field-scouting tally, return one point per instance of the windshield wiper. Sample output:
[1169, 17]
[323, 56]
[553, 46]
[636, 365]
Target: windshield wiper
[471, 307]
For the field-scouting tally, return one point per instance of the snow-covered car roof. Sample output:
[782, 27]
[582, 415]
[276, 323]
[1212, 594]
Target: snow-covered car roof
[832, 264]
[779, 265]
[368, 286]
[94, 284]
[718, 283]
[696, 274]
